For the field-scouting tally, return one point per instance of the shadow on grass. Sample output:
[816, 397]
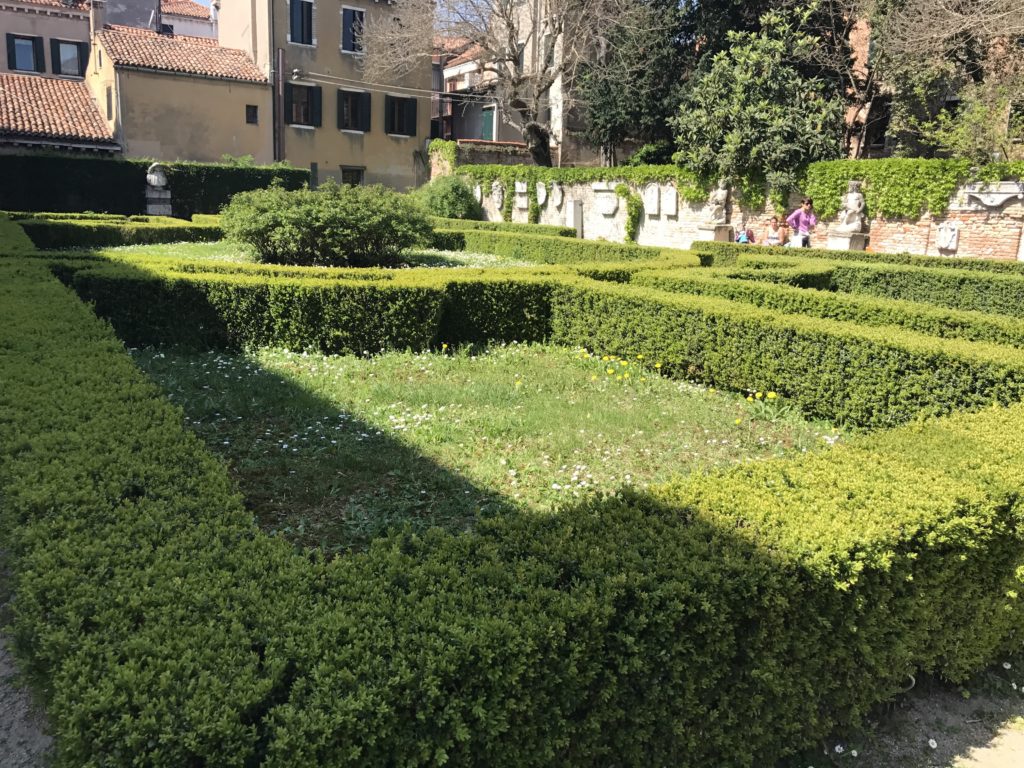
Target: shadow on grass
[308, 469]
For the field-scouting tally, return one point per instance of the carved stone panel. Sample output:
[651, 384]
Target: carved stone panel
[652, 200]
[557, 196]
[522, 198]
[542, 193]
[670, 201]
[606, 200]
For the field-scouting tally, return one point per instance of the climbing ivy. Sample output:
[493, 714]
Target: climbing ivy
[446, 150]
[634, 210]
[898, 187]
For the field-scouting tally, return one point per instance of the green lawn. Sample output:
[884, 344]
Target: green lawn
[225, 250]
[331, 451]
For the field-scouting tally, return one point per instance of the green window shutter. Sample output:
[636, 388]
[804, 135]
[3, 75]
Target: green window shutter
[288, 103]
[364, 112]
[55, 56]
[410, 117]
[10, 52]
[40, 54]
[316, 106]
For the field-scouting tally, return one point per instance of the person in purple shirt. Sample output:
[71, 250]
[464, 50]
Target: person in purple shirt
[802, 221]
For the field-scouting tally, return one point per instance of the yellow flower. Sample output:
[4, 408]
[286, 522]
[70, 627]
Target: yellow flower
[624, 363]
[739, 421]
[618, 378]
[657, 365]
[625, 375]
[444, 346]
[759, 395]
[611, 371]
[594, 377]
[771, 395]
[639, 357]
[606, 358]
[711, 389]
[750, 399]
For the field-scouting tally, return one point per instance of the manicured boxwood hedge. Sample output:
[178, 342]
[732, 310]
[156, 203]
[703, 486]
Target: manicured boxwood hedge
[78, 183]
[57, 234]
[724, 254]
[866, 310]
[13, 239]
[726, 620]
[547, 249]
[867, 376]
[503, 226]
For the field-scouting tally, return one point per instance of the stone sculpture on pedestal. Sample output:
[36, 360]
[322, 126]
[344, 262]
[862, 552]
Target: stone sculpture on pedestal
[847, 234]
[716, 224]
[158, 197]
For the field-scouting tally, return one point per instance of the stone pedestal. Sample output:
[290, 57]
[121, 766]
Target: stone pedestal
[158, 202]
[847, 241]
[719, 233]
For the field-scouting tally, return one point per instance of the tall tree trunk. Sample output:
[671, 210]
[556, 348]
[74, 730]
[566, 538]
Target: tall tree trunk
[538, 141]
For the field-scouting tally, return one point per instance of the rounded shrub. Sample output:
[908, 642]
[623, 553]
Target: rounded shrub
[333, 226]
[449, 197]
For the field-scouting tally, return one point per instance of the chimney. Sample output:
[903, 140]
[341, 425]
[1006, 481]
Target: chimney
[97, 16]
[214, 10]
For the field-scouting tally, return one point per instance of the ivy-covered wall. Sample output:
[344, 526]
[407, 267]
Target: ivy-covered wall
[910, 203]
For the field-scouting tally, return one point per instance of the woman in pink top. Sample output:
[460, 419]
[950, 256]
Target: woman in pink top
[802, 221]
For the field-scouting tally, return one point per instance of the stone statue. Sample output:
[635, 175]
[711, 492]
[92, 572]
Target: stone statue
[718, 202]
[498, 193]
[156, 176]
[851, 217]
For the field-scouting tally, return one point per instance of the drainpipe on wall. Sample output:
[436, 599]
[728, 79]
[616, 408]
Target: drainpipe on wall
[279, 105]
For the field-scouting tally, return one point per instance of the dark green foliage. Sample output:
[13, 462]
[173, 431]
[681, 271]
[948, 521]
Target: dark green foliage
[726, 620]
[57, 183]
[655, 153]
[449, 197]
[13, 239]
[357, 226]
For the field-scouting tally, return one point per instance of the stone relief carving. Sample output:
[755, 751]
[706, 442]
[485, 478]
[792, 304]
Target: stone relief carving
[156, 175]
[670, 201]
[498, 193]
[557, 195]
[542, 193]
[522, 198]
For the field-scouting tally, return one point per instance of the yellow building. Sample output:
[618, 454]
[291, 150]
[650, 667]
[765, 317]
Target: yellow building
[325, 115]
[172, 97]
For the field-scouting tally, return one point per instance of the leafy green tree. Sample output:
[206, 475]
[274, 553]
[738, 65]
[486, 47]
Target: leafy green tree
[753, 116]
[632, 88]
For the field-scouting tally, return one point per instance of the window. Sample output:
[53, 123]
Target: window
[302, 104]
[25, 54]
[252, 114]
[352, 176]
[301, 30]
[68, 58]
[110, 103]
[487, 123]
[353, 111]
[399, 116]
[879, 116]
[351, 30]
[1016, 127]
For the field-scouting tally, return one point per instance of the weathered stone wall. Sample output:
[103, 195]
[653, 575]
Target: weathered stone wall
[988, 226]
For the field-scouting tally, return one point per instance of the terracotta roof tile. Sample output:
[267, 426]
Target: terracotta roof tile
[473, 53]
[143, 48]
[185, 8]
[72, 5]
[44, 107]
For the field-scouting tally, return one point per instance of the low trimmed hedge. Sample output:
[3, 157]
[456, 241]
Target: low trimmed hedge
[13, 239]
[865, 310]
[503, 226]
[547, 249]
[955, 288]
[867, 376]
[725, 254]
[58, 234]
[726, 620]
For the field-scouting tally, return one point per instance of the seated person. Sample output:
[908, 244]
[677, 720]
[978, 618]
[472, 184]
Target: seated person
[774, 233]
[746, 237]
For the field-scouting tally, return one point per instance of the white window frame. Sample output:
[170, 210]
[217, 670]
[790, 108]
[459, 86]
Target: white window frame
[354, 131]
[341, 28]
